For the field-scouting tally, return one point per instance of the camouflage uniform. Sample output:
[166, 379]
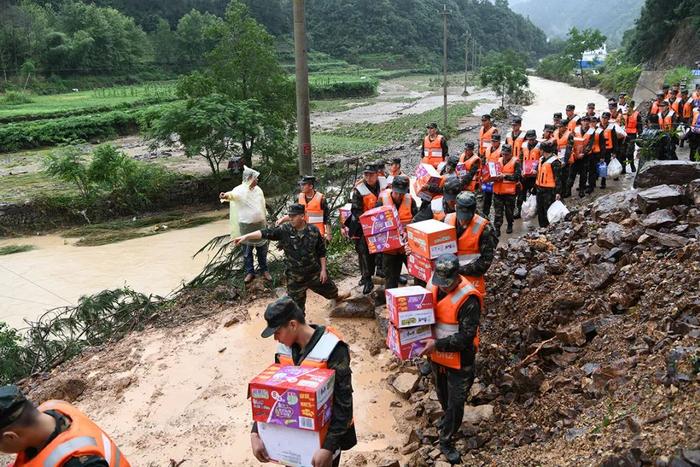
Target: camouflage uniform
[506, 203]
[303, 250]
[487, 251]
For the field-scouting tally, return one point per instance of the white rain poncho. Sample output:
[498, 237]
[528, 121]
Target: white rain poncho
[248, 212]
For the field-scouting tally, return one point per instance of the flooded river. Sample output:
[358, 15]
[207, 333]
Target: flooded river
[58, 273]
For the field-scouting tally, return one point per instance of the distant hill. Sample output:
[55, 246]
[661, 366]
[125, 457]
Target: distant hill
[556, 17]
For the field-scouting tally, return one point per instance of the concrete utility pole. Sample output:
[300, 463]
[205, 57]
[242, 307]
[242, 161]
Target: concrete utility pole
[466, 63]
[302, 84]
[445, 13]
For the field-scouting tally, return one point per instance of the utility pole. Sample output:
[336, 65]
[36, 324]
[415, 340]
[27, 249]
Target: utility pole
[302, 91]
[445, 13]
[466, 62]
[474, 55]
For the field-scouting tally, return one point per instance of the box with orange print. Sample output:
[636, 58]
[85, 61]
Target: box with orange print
[380, 220]
[408, 343]
[410, 306]
[431, 238]
[293, 396]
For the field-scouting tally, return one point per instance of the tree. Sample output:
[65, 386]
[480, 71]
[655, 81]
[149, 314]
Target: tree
[579, 42]
[194, 37]
[505, 74]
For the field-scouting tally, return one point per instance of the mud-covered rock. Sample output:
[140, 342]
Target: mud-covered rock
[656, 173]
[659, 197]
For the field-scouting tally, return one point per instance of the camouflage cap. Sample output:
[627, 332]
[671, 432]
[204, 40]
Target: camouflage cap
[11, 401]
[446, 271]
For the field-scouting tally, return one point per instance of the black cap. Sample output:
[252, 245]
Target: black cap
[453, 160]
[496, 137]
[296, 209]
[684, 90]
[396, 160]
[516, 120]
[11, 400]
[660, 93]
[622, 94]
[530, 134]
[547, 146]
[308, 179]
[571, 107]
[452, 188]
[590, 104]
[400, 184]
[612, 100]
[557, 115]
[486, 117]
[549, 127]
[370, 168]
[666, 86]
[432, 125]
[605, 115]
[664, 103]
[469, 145]
[594, 118]
[586, 118]
[506, 148]
[446, 270]
[279, 313]
[564, 122]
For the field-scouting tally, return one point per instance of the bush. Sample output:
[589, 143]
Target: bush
[681, 75]
[16, 98]
[619, 79]
[13, 362]
[555, 67]
[330, 88]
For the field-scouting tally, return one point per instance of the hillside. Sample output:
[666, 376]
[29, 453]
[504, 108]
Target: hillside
[556, 17]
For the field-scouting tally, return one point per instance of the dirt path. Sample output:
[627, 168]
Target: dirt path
[181, 393]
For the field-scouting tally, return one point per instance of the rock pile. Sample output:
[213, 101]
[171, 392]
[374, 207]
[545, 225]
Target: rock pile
[590, 342]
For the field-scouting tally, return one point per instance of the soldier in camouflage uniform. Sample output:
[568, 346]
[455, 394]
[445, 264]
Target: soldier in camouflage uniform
[305, 257]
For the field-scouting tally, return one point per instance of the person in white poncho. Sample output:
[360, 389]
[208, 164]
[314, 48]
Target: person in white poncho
[249, 214]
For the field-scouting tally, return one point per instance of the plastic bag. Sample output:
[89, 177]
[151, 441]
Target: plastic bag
[556, 212]
[487, 187]
[602, 169]
[614, 168]
[529, 209]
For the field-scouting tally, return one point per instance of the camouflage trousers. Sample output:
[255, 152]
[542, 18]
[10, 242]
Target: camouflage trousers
[503, 204]
[452, 387]
[298, 284]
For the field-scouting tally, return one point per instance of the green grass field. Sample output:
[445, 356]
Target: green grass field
[97, 98]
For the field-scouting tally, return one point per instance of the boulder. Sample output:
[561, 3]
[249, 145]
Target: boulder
[528, 379]
[599, 276]
[405, 384]
[571, 335]
[477, 414]
[357, 306]
[659, 197]
[656, 173]
[692, 191]
[660, 218]
[611, 235]
[614, 207]
[668, 239]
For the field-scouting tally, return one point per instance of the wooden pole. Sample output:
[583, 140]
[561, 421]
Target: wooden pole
[444, 64]
[302, 91]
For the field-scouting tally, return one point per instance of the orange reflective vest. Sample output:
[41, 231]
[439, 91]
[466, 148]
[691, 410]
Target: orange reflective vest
[485, 139]
[579, 144]
[405, 214]
[314, 212]
[390, 177]
[82, 438]
[319, 355]
[688, 108]
[506, 187]
[676, 105]
[607, 134]
[468, 164]
[654, 108]
[517, 143]
[595, 134]
[369, 199]
[492, 155]
[531, 154]
[573, 123]
[545, 173]
[666, 122]
[447, 320]
[432, 151]
[631, 123]
[562, 142]
[468, 246]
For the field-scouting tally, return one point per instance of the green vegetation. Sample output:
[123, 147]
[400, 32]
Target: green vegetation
[681, 74]
[617, 75]
[505, 74]
[126, 229]
[560, 66]
[12, 249]
[325, 86]
[15, 98]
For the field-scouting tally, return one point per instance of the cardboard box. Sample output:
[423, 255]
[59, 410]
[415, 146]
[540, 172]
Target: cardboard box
[491, 169]
[530, 168]
[419, 267]
[410, 306]
[344, 213]
[426, 175]
[461, 170]
[407, 343]
[386, 241]
[290, 446]
[293, 396]
[431, 238]
[378, 220]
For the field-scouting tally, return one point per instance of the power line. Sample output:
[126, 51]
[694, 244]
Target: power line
[35, 284]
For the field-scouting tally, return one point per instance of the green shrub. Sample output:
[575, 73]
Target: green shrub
[16, 98]
[556, 67]
[13, 361]
[679, 74]
[330, 88]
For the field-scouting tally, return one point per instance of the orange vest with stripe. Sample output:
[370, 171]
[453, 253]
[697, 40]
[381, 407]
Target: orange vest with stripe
[82, 438]
[432, 151]
[369, 199]
[654, 108]
[579, 143]
[595, 134]
[517, 143]
[492, 155]
[484, 137]
[563, 140]
[506, 187]
[631, 123]
[447, 320]
[666, 123]
[545, 173]
[531, 154]
[688, 109]
[314, 212]
[573, 123]
[607, 134]
[319, 355]
[468, 245]
[676, 105]
[468, 164]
